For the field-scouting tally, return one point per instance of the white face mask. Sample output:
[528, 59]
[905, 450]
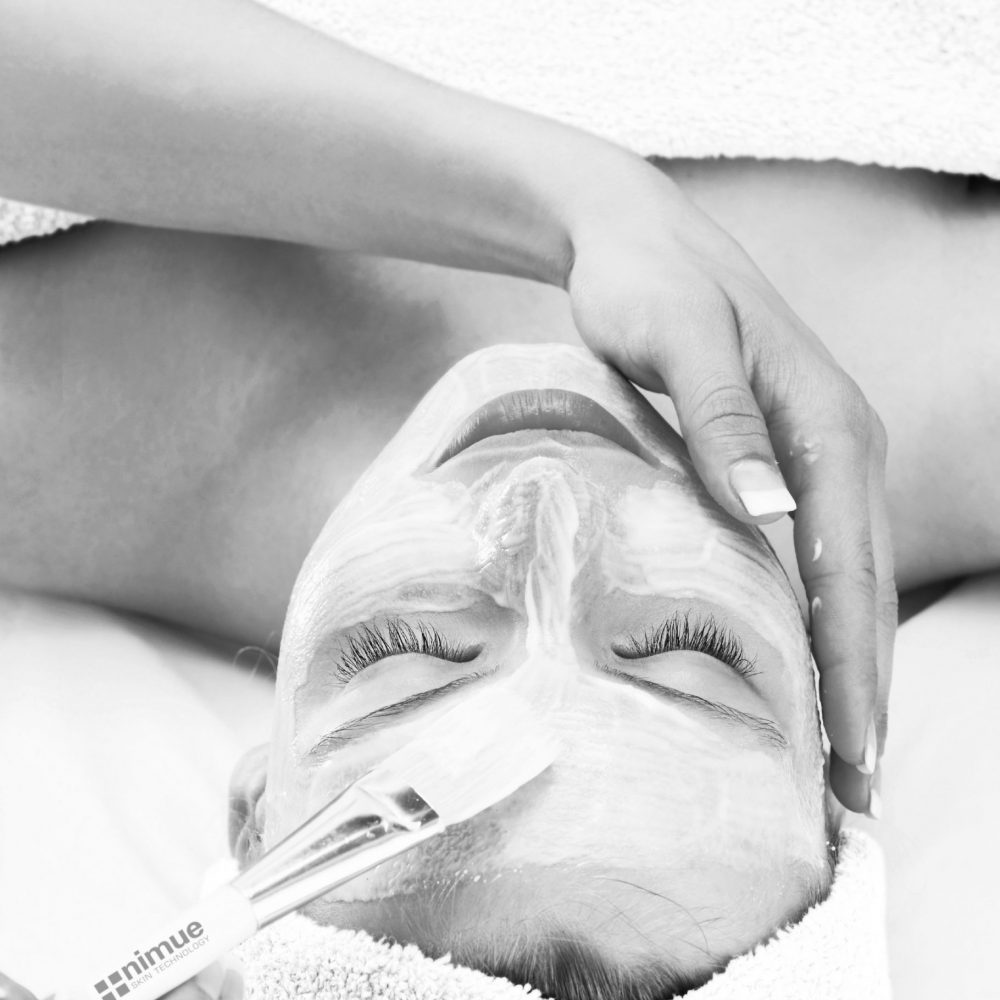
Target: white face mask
[547, 559]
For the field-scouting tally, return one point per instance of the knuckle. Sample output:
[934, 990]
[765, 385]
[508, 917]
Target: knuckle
[855, 570]
[848, 417]
[855, 413]
[720, 407]
[694, 312]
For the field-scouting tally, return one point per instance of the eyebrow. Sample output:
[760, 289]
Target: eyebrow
[354, 729]
[764, 730]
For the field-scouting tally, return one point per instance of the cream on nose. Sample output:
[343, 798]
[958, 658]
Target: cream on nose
[532, 546]
[536, 533]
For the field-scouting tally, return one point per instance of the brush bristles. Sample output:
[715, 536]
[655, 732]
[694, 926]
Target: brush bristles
[475, 755]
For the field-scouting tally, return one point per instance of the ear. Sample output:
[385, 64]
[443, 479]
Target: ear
[246, 805]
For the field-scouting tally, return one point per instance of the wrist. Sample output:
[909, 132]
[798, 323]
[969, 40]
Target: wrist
[614, 200]
[552, 186]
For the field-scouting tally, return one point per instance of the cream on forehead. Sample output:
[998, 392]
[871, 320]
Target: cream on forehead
[544, 499]
[685, 756]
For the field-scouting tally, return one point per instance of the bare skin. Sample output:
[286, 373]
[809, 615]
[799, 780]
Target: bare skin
[245, 384]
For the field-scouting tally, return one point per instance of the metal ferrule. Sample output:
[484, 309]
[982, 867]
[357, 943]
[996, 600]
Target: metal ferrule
[374, 819]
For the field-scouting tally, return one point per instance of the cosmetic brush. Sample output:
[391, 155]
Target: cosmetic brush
[466, 760]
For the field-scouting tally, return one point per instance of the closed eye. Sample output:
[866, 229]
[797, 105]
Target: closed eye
[371, 644]
[687, 631]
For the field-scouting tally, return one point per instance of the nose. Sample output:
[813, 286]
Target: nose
[534, 534]
[537, 530]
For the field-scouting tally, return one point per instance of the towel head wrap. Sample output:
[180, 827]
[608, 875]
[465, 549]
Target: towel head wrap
[835, 952]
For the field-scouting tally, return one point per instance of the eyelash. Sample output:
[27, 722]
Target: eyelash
[680, 632]
[372, 645]
[698, 635]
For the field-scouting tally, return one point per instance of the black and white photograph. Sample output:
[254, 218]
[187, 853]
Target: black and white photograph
[499, 499]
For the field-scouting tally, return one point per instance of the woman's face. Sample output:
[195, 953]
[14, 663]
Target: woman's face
[560, 545]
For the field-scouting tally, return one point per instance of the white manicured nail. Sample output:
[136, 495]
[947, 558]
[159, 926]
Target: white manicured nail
[760, 488]
[867, 766]
[874, 804]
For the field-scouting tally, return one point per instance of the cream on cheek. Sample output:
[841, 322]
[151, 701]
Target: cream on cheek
[411, 554]
[669, 540]
[418, 530]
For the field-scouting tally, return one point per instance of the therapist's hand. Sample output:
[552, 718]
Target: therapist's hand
[670, 300]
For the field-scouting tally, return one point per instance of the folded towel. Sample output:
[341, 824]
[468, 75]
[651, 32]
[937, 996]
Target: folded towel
[836, 952]
[902, 83]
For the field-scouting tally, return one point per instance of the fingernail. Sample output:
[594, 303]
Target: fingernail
[867, 765]
[760, 488]
[874, 804]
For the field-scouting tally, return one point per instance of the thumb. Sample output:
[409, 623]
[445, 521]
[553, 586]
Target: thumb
[722, 423]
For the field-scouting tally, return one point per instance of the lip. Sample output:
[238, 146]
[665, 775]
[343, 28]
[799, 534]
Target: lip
[539, 409]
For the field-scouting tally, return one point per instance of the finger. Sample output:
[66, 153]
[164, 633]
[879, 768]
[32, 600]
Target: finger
[829, 466]
[887, 605]
[858, 792]
[704, 372]
[849, 785]
[9, 990]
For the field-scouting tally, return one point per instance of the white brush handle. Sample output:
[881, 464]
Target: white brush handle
[151, 965]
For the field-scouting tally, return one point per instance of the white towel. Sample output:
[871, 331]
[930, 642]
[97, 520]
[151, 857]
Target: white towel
[836, 952]
[902, 83]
